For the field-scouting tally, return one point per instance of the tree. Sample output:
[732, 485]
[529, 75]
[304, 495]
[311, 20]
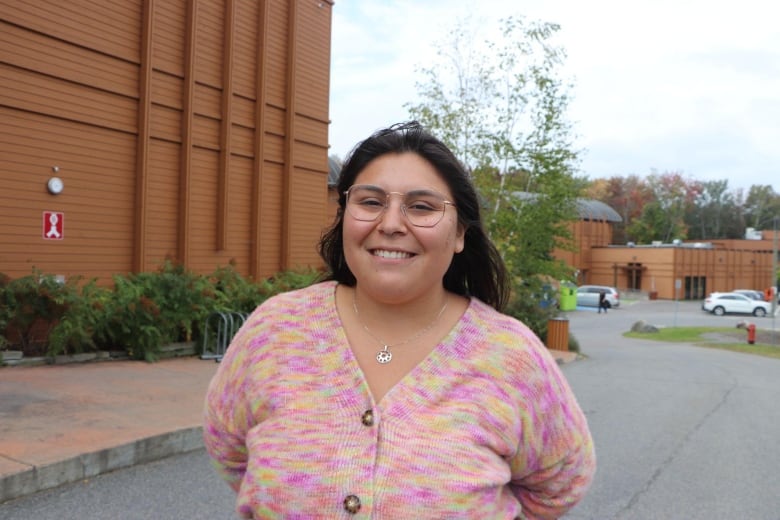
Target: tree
[500, 106]
[628, 196]
[761, 206]
[714, 213]
[664, 217]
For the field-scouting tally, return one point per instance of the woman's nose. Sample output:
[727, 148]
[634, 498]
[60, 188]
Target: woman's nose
[393, 218]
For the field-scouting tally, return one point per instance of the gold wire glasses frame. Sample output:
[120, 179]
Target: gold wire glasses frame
[422, 208]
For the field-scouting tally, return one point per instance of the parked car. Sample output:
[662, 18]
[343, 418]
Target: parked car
[588, 295]
[750, 293]
[735, 303]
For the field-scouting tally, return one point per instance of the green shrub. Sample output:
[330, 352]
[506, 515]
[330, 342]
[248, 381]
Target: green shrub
[75, 332]
[141, 313]
[234, 292]
[5, 309]
[525, 305]
[31, 306]
[292, 279]
[149, 310]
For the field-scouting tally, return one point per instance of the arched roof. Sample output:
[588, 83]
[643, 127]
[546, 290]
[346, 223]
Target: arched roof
[590, 209]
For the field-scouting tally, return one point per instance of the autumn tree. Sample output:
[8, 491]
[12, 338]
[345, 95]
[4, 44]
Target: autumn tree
[664, 217]
[668, 206]
[628, 196]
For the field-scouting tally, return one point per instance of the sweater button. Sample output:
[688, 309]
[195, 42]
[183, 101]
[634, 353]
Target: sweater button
[352, 504]
[367, 418]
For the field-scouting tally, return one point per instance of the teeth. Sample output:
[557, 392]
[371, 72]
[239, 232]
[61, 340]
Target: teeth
[391, 254]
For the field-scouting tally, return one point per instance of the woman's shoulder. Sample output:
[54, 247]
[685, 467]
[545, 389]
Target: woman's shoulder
[297, 310]
[494, 320]
[503, 336]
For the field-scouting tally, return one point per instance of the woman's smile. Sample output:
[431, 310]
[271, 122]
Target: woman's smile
[391, 254]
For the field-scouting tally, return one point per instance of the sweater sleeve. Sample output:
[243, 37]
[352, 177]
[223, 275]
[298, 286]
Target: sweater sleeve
[228, 414]
[555, 462]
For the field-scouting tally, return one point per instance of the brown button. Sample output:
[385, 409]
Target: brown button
[368, 418]
[352, 504]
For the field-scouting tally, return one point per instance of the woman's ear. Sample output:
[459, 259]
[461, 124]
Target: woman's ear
[460, 238]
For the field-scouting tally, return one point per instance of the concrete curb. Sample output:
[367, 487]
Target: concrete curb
[40, 478]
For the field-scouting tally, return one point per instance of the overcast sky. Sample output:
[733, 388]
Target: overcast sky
[688, 86]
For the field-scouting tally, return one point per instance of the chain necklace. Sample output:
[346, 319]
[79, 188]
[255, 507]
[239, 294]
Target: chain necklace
[384, 356]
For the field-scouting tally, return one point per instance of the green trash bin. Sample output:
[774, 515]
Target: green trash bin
[568, 298]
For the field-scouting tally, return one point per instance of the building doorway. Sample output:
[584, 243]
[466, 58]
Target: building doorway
[695, 287]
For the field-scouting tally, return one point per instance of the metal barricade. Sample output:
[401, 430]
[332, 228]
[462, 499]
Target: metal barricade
[218, 330]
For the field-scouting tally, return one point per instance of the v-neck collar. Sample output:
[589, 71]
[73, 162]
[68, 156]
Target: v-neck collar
[409, 392]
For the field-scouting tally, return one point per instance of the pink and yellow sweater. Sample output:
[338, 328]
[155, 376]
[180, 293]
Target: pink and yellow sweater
[486, 427]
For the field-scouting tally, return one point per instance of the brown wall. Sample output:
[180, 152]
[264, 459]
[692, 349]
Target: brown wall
[587, 234]
[193, 130]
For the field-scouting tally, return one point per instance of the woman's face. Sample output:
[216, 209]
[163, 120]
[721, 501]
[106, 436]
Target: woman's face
[393, 260]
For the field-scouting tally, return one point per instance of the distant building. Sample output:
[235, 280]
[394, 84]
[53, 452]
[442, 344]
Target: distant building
[681, 269]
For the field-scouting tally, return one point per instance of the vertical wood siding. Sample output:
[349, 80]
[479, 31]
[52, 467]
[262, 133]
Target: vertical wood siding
[175, 129]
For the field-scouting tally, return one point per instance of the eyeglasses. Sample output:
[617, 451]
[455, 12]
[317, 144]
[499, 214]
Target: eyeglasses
[423, 208]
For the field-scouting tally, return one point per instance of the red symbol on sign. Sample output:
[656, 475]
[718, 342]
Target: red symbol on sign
[53, 225]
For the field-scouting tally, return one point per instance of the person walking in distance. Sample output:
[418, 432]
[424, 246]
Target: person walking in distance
[602, 301]
[396, 388]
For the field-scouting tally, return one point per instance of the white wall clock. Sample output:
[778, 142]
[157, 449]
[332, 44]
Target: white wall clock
[55, 185]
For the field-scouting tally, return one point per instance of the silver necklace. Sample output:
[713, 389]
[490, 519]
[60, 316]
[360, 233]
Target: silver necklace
[384, 356]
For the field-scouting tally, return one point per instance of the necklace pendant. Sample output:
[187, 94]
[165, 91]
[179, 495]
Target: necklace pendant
[384, 357]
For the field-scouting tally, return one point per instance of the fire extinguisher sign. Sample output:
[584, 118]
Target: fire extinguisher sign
[53, 225]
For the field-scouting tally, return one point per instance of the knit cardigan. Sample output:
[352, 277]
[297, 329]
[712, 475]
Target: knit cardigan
[485, 427]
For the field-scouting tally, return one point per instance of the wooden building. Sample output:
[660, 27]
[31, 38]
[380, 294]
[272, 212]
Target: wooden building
[685, 270]
[195, 130]
[678, 270]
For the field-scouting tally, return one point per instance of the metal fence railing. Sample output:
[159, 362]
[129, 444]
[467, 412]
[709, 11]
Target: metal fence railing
[218, 330]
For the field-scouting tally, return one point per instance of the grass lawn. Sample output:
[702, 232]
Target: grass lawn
[717, 337]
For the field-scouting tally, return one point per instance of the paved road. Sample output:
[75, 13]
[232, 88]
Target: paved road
[177, 488]
[681, 433]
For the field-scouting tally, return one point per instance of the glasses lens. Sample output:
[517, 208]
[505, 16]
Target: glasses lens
[366, 202]
[424, 208]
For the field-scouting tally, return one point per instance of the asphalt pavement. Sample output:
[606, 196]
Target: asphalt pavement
[681, 431]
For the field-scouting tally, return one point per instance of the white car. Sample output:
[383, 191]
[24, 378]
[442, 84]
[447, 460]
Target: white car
[588, 296]
[750, 293]
[723, 303]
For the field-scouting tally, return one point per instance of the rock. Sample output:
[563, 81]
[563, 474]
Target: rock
[643, 326]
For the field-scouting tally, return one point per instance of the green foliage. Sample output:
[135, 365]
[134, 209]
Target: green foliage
[524, 305]
[5, 310]
[75, 332]
[140, 314]
[31, 306]
[234, 292]
[293, 279]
